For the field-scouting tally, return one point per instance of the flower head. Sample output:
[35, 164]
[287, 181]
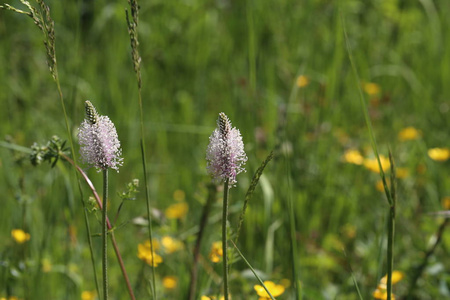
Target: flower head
[170, 282]
[353, 156]
[97, 136]
[302, 81]
[275, 289]
[381, 291]
[225, 154]
[408, 133]
[216, 252]
[146, 254]
[20, 236]
[372, 164]
[439, 154]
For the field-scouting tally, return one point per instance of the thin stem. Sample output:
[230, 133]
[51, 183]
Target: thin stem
[203, 221]
[147, 198]
[113, 239]
[391, 228]
[105, 235]
[224, 238]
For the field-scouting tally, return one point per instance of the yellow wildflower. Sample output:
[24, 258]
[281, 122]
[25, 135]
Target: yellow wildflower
[216, 252]
[446, 203]
[396, 277]
[146, 254]
[353, 156]
[20, 236]
[371, 88]
[381, 291]
[408, 133]
[170, 282]
[275, 289]
[88, 295]
[179, 195]
[302, 81]
[439, 154]
[170, 244]
[372, 164]
[177, 210]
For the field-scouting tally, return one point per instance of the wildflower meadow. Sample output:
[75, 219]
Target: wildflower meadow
[223, 149]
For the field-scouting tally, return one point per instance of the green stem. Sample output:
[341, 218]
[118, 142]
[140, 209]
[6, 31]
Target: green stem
[105, 235]
[224, 238]
[111, 234]
[391, 226]
[390, 250]
[147, 198]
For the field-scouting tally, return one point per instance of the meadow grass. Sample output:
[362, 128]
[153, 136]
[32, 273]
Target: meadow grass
[244, 58]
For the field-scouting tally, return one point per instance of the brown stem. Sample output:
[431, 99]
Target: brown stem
[108, 224]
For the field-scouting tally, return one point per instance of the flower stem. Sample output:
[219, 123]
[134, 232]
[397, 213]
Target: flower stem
[224, 238]
[113, 239]
[104, 235]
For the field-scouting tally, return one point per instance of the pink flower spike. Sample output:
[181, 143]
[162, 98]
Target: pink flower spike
[97, 136]
[225, 154]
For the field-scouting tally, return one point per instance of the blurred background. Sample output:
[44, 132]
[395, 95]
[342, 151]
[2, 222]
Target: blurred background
[280, 71]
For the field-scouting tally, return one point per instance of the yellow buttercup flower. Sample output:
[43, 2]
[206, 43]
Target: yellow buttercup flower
[88, 295]
[353, 156]
[20, 236]
[372, 164]
[275, 289]
[146, 254]
[216, 252]
[439, 154]
[396, 277]
[381, 291]
[371, 88]
[446, 203]
[408, 133]
[170, 244]
[170, 282]
[302, 81]
[177, 210]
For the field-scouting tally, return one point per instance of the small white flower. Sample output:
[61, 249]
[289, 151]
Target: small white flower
[97, 136]
[225, 154]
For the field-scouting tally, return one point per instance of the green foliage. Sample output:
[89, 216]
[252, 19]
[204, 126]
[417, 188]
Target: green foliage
[202, 57]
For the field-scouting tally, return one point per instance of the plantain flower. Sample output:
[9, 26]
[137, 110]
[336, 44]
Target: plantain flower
[97, 136]
[225, 154]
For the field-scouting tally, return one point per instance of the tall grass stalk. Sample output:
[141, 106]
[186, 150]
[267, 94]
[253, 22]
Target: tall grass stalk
[134, 41]
[224, 238]
[389, 194]
[43, 20]
[253, 270]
